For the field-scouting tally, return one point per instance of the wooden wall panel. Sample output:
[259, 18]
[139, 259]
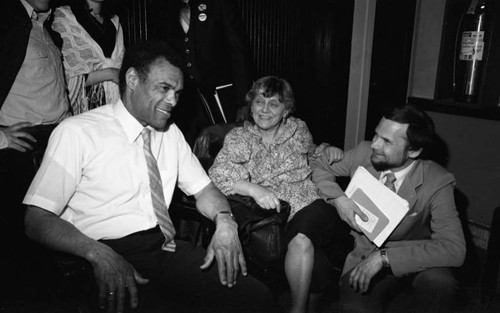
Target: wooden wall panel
[133, 17]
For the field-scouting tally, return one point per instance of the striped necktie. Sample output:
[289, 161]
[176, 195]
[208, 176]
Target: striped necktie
[390, 178]
[185, 16]
[157, 196]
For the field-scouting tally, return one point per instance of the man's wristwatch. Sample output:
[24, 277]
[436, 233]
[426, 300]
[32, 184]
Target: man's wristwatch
[224, 212]
[385, 259]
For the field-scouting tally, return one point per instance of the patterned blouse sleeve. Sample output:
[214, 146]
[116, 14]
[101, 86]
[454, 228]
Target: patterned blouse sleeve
[305, 138]
[230, 164]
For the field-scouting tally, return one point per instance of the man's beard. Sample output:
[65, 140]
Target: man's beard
[384, 165]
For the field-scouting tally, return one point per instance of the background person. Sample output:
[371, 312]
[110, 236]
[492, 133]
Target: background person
[33, 100]
[103, 190]
[420, 254]
[93, 52]
[268, 160]
[215, 50]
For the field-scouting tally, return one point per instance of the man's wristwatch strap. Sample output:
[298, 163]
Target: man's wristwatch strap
[385, 258]
[224, 212]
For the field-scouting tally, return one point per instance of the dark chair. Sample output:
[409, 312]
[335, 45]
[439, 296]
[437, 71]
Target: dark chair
[190, 224]
[492, 264]
[71, 286]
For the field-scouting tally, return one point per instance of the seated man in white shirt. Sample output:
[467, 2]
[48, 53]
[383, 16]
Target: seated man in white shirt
[98, 191]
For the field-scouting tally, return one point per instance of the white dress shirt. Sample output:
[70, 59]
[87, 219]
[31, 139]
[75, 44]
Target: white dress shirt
[94, 173]
[400, 176]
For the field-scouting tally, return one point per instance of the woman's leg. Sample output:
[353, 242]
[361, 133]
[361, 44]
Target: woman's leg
[299, 262]
[310, 233]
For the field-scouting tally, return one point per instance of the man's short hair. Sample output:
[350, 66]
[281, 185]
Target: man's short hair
[268, 86]
[420, 133]
[140, 57]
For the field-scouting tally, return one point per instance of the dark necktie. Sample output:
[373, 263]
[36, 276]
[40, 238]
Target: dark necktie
[157, 196]
[390, 178]
[185, 16]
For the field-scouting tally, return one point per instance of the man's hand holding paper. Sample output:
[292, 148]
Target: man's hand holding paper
[349, 212]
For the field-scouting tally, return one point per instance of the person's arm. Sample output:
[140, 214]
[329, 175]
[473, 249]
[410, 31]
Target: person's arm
[102, 75]
[324, 175]
[230, 163]
[263, 196]
[13, 137]
[114, 276]
[225, 245]
[52, 188]
[361, 275]
[330, 153]
[229, 172]
[75, 63]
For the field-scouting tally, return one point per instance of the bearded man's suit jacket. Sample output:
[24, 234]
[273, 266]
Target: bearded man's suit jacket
[429, 236]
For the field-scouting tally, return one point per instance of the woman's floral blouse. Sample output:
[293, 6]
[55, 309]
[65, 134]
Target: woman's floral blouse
[281, 166]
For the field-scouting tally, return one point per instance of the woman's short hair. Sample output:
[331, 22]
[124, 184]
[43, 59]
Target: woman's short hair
[269, 86]
[421, 133]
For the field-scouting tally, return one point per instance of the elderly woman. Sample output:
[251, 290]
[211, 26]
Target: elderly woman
[268, 160]
[93, 51]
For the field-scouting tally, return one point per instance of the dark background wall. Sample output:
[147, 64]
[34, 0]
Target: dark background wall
[391, 55]
[309, 45]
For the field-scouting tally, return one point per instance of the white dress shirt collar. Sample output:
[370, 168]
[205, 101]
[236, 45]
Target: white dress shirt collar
[42, 16]
[400, 175]
[130, 124]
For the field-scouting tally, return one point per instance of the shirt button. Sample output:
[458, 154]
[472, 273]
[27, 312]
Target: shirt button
[186, 39]
[191, 76]
[187, 51]
[189, 64]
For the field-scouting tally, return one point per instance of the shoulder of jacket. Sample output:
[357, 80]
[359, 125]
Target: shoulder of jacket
[436, 170]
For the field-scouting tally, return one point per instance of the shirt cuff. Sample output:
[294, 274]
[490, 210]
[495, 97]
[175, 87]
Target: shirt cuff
[4, 143]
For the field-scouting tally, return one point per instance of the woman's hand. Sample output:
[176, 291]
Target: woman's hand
[265, 198]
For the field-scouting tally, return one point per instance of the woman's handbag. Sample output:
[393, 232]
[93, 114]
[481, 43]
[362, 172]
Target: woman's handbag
[261, 231]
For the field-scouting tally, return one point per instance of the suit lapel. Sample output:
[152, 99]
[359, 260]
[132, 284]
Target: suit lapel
[408, 188]
[413, 180]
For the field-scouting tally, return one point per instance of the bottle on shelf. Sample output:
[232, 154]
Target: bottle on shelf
[470, 52]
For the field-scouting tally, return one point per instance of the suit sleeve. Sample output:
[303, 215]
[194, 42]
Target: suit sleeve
[446, 245]
[324, 174]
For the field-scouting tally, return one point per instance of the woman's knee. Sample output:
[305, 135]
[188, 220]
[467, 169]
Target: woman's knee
[301, 243]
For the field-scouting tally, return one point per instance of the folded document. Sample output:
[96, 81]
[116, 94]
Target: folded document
[384, 208]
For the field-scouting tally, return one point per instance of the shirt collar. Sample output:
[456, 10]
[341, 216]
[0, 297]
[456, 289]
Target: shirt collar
[31, 12]
[130, 124]
[400, 175]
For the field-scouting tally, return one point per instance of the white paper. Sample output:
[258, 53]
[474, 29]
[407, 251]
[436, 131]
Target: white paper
[393, 207]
